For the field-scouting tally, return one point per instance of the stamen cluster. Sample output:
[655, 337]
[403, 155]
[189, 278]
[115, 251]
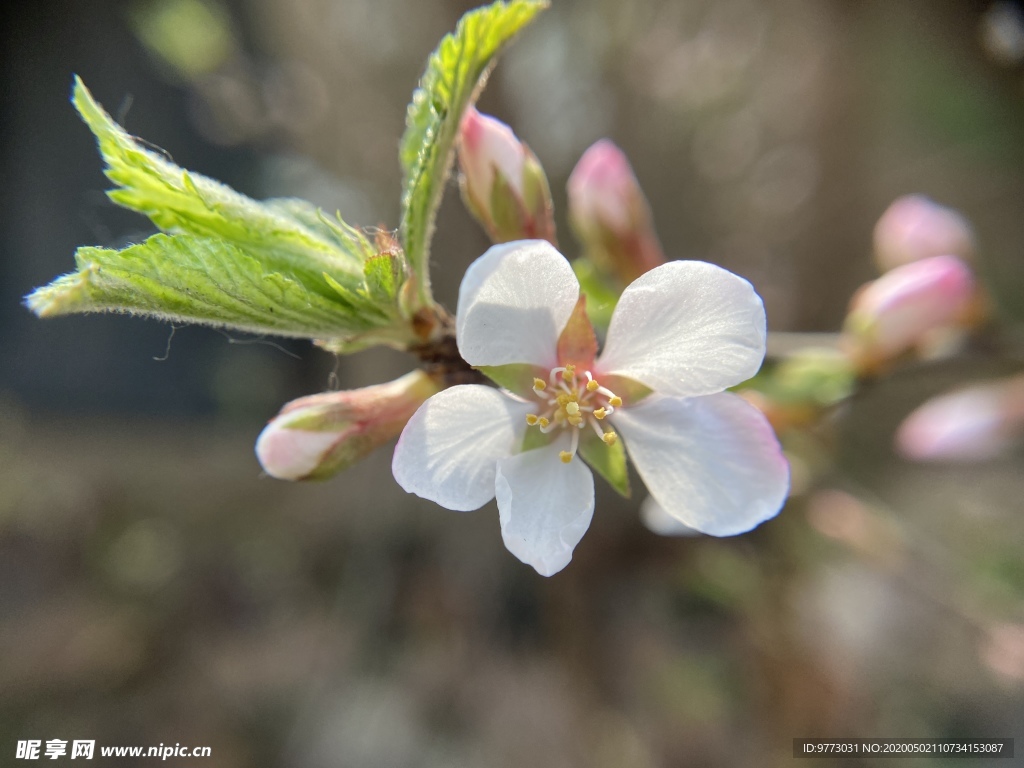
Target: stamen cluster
[570, 402]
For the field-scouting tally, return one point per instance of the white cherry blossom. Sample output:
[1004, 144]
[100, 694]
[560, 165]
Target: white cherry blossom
[680, 335]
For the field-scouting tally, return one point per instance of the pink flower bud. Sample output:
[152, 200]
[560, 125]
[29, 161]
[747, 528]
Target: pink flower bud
[894, 313]
[315, 437]
[974, 424]
[610, 214]
[502, 182]
[915, 228]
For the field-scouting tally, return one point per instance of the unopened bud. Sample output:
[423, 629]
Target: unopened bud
[610, 214]
[974, 424]
[315, 437]
[891, 315]
[914, 228]
[502, 182]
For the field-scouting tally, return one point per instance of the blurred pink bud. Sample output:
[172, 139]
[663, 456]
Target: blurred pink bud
[892, 314]
[915, 228]
[315, 437]
[974, 424]
[1002, 650]
[610, 214]
[502, 183]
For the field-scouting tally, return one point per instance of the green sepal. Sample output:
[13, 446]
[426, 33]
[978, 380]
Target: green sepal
[534, 439]
[508, 216]
[450, 84]
[515, 377]
[609, 461]
[601, 299]
[630, 390]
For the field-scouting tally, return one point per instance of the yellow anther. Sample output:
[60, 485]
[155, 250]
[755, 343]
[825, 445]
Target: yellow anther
[543, 422]
[539, 385]
[615, 401]
[575, 419]
[609, 438]
[600, 413]
[565, 456]
[569, 373]
[531, 419]
[562, 399]
[572, 408]
[592, 385]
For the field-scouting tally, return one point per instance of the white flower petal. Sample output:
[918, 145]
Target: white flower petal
[686, 328]
[712, 462]
[657, 520]
[449, 449]
[513, 303]
[544, 506]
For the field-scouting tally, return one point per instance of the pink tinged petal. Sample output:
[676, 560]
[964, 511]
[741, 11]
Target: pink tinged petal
[513, 304]
[544, 505]
[915, 228]
[449, 449]
[686, 328]
[293, 454]
[489, 144]
[611, 215]
[713, 462]
[317, 436]
[603, 190]
[893, 313]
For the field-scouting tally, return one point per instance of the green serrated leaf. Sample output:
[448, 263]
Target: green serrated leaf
[346, 238]
[286, 236]
[609, 461]
[199, 280]
[279, 267]
[355, 302]
[449, 85]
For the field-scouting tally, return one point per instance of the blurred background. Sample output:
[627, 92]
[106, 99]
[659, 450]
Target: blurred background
[154, 588]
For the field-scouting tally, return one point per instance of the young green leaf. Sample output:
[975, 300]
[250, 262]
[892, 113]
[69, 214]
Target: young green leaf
[385, 274]
[279, 266]
[203, 280]
[449, 85]
[285, 235]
